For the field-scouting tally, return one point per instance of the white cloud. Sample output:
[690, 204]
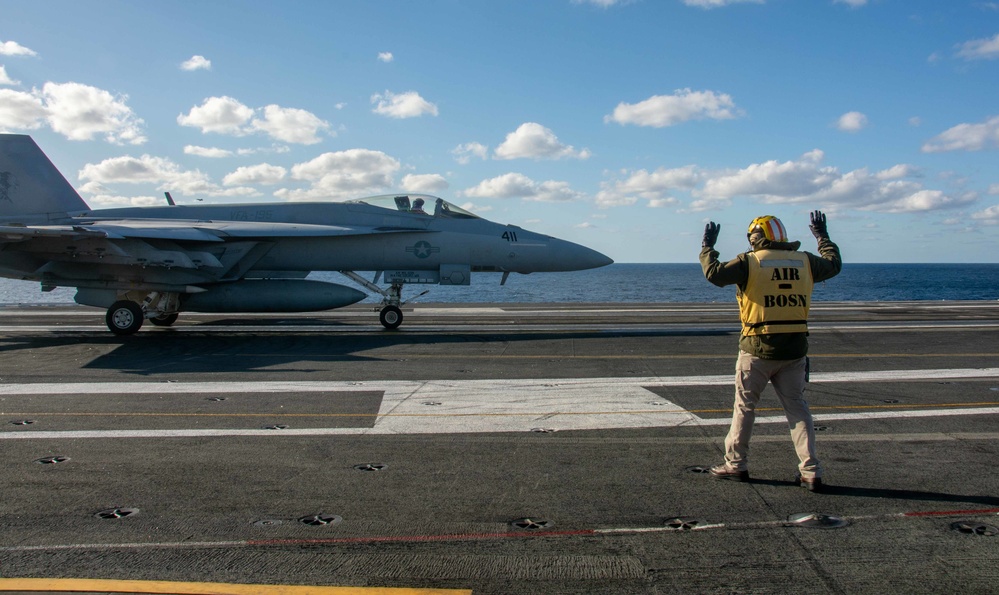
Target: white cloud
[343, 174]
[5, 79]
[108, 200]
[966, 137]
[660, 111]
[654, 187]
[81, 111]
[78, 112]
[12, 48]
[153, 170]
[263, 173]
[851, 3]
[718, 3]
[807, 181]
[291, 125]
[994, 189]
[852, 122]
[196, 63]
[659, 203]
[386, 56]
[225, 115]
[533, 141]
[21, 111]
[464, 153]
[989, 216]
[980, 49]
[515, 185]
[601, 3]
[424, 183]
[211, 152]
[402, 105]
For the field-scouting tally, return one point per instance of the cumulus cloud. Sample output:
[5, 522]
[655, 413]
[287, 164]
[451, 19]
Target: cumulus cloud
[342, 174]
[21, 111]
[601, 3]
[196, 63]
[424, 183]
[264, 173]
[653, 187]
[12, 48]
[463, 153]
[386, 56]
[718, 3]
[5, 79]
[852, 122]
[78, 112]
[210, 152]
[684, 105]
[807, 181]
[989, 216]
[533, 141]
[225, 115]
[153, 170]
[291, 125]
[966, 137]
[515, 185]
[980, 49]
[402, 105]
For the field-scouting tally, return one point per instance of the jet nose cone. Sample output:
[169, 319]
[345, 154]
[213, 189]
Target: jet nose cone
[574, 257]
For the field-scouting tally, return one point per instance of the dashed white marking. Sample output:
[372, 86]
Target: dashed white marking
[478, 406]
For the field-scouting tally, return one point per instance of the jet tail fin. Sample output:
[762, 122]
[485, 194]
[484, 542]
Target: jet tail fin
[30, 184]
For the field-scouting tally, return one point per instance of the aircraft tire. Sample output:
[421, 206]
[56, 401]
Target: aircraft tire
[390, 317]
[124, 318]
[165, 320]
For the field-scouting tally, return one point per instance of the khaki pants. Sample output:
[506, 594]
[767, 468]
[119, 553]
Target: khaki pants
[788, 377]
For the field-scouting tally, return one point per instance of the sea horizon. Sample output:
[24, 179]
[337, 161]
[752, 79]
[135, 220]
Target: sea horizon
[650, 283]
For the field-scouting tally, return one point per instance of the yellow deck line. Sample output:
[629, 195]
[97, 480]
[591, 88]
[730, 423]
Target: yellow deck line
[72, 585]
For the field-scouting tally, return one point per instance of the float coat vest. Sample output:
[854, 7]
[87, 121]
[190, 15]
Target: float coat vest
[778, 293]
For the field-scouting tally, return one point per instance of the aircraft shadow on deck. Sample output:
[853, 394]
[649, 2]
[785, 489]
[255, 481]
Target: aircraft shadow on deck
[164, 351]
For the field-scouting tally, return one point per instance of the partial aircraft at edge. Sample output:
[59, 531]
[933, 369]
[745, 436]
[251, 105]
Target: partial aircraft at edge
[156, 262]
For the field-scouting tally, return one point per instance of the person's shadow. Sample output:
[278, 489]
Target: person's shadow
[890, 494]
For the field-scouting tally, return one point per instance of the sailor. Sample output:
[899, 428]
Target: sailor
[774, 283]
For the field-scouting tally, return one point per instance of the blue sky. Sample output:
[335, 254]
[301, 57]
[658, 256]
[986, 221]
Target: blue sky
[623, 125]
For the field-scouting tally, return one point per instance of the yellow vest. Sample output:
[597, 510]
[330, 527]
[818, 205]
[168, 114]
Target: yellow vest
[778, 293]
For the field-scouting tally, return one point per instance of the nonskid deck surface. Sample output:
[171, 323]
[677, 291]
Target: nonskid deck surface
[497, 448]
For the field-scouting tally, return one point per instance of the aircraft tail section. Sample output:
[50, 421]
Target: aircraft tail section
[30, 184]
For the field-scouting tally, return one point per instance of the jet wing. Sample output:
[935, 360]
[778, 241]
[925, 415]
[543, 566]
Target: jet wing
[191, 230]
[20, 233]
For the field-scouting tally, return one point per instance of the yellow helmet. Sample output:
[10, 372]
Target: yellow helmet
[770, 226]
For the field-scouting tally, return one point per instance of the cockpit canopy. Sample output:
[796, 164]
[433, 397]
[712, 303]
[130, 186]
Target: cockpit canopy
[422, 204]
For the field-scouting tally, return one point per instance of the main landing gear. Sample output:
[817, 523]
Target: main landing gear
[125, 317]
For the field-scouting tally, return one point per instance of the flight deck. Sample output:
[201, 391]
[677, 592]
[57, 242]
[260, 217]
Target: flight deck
[495, 448]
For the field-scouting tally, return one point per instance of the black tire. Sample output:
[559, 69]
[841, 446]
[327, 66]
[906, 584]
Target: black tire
[390, 317]
[165, 320]
[124, 318]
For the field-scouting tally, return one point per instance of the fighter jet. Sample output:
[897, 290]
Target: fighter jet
[157, 262]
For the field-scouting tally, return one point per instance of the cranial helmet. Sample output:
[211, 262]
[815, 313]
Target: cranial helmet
[418, 202]
[770, 227]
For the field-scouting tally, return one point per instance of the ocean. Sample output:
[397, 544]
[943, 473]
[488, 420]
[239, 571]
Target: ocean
[652, 283]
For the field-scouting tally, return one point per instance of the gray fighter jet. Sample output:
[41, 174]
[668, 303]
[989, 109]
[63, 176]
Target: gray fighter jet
[156, 262]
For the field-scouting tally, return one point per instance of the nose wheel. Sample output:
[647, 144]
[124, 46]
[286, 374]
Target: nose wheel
[390, 317]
